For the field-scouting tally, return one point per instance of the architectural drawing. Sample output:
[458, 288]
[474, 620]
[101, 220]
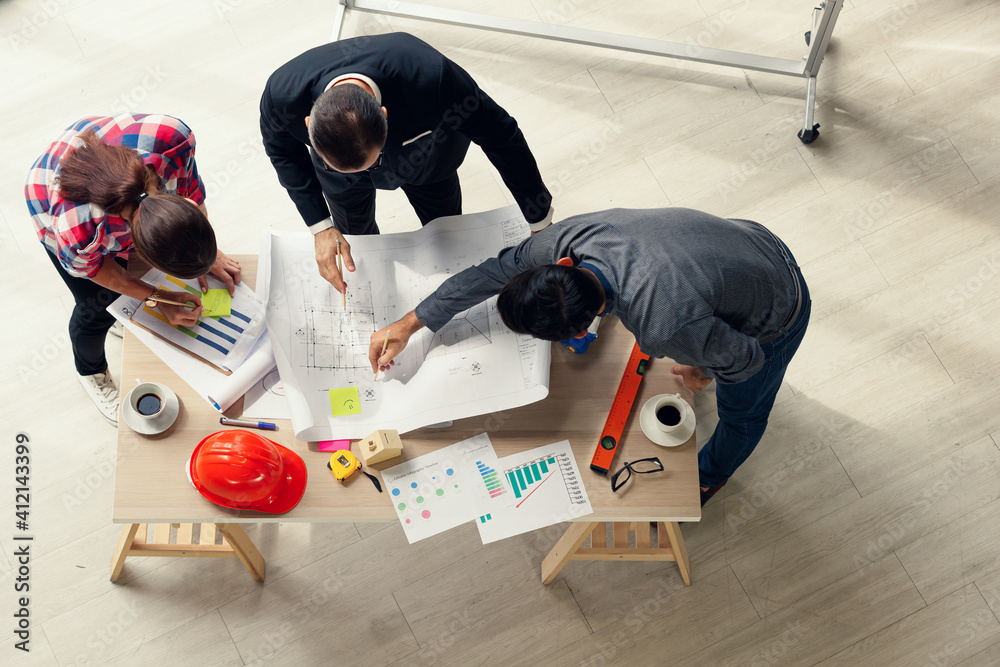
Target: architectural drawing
[472, 365]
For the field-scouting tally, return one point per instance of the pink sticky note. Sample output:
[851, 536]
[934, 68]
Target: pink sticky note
[333, 445]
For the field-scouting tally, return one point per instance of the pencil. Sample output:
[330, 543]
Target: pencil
[189, 304]
[384, 346]
[340, 270]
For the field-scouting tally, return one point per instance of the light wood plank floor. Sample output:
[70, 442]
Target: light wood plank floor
[864, 530]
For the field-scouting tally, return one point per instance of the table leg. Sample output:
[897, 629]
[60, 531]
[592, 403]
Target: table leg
[121, 551]
[564, 549]
[244, 548]
[673, 532]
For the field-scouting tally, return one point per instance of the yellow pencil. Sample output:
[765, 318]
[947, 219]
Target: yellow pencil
[189, 304]
[384, 346]
[340, 270]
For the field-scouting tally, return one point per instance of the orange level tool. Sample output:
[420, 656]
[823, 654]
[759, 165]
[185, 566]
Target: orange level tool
[620, 409]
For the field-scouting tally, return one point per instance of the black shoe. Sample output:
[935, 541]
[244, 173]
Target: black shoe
[706, 495]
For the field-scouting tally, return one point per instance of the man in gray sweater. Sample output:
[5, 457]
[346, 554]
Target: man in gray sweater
[723, 298]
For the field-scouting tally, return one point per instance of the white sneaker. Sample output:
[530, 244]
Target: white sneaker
[117, 330]
[104, 393]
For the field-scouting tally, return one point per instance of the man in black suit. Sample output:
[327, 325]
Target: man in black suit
[325, 120]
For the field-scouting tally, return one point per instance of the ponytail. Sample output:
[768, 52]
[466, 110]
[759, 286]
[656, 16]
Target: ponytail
[109, 176]
[168, 231]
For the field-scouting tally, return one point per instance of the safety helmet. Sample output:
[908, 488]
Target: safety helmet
[245, 471]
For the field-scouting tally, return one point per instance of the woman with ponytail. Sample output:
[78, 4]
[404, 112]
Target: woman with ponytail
[108, 186]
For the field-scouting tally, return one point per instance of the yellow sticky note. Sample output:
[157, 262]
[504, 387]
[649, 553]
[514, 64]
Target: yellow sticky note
[216, 303]
[345, 401]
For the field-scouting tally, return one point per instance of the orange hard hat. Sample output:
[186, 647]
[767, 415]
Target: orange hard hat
[245, 471]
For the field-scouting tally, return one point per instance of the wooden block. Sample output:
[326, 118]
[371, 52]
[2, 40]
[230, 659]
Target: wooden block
[380, 446]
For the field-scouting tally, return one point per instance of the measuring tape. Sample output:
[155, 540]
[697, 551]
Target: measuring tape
[620, 409]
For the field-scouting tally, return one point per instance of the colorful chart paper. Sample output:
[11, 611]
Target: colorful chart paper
[443, 489]
[545, 488]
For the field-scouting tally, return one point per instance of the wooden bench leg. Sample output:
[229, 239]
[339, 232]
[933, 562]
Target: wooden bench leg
[564, 549]
[673, 534]
[244, 548]
[121, 551]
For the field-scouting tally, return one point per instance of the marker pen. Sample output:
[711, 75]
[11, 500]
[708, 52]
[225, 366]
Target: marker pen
[267, 426]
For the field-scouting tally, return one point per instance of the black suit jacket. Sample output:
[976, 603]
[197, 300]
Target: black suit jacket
[422, 91]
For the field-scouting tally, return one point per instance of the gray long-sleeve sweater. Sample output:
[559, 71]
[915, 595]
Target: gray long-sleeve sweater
[689, 285]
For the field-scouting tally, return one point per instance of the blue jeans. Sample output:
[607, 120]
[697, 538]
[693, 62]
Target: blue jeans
[745, 406]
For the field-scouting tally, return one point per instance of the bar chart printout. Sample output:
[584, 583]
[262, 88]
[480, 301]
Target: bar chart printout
[522, 478]
[546, 487]
[491, 478]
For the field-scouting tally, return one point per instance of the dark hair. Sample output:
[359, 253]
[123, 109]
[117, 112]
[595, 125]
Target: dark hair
[550, 302]
[173, 235]
[347, 125]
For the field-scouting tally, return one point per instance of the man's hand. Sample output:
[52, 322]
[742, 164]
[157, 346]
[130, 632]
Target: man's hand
[693, 378]
[180, 315]
[225, 269]
[399, 335]
[326, 257]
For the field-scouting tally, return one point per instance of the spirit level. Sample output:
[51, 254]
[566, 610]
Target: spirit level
[620, 409]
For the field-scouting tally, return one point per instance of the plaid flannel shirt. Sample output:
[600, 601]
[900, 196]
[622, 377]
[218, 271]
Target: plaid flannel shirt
[80, 235]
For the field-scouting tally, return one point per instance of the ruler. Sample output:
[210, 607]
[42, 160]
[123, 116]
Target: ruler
[620, 409]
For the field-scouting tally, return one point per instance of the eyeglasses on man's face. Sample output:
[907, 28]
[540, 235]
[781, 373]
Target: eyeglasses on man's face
[639, 467]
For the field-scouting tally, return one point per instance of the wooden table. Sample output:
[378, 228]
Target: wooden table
[151, 486]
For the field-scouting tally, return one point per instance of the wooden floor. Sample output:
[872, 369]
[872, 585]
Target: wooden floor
[865, 529]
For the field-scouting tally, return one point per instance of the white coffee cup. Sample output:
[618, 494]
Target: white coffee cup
[147, 400]
[667, 420]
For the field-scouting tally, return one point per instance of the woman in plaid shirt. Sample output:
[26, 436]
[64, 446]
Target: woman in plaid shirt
[108, 186]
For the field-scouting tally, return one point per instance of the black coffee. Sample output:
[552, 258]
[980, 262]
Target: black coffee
[148, 404]
[668, 415]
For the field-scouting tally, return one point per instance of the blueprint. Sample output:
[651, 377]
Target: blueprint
[472, 366]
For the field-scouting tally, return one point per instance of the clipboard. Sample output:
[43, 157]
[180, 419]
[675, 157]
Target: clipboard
[192, 353]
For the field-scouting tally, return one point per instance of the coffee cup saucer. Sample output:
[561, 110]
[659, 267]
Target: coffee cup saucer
[159, 423]
[651, 427]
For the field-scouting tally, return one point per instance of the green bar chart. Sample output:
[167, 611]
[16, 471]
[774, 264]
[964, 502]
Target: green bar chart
[522, 478]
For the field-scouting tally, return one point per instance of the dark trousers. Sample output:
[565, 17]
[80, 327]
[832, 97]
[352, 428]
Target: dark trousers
[354, 211]
[353, 208]
[90, 321]
[744, 407]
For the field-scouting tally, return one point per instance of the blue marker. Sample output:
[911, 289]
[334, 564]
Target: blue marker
[267, 426]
